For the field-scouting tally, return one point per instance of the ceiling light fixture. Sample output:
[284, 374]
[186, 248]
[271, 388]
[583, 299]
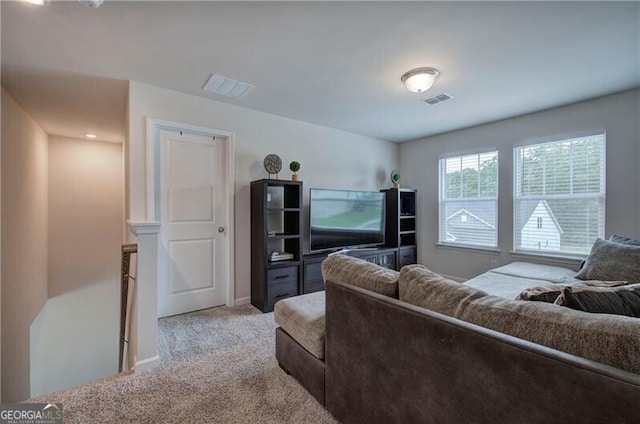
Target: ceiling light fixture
[38, 2]
[92, 3]
[420, 79]
[90, 135]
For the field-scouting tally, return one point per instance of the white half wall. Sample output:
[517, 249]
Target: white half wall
[618, 114]
[24, 241]
[330, 158]
[76, 339]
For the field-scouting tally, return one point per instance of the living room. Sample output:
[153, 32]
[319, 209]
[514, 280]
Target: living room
[582, 75]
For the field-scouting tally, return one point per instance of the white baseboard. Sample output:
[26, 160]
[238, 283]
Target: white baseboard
[147, 364]
[243, 301]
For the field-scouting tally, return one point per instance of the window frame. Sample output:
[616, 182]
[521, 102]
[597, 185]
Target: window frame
[602, 196]
[442, 201]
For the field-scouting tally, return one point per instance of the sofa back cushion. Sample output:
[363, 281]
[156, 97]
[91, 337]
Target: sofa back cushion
[609, 339]
[361, 273]
[425, 288]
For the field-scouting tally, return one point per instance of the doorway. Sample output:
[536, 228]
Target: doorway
[192, 198]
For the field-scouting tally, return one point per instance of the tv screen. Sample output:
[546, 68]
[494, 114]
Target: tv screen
[343, 218]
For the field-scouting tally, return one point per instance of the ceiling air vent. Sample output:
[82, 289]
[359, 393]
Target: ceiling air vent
[438, 99]
[227, 87]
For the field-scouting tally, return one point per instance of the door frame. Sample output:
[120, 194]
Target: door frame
[153, 128]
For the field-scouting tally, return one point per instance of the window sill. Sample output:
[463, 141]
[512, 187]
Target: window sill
[550, 257]
[476, 249]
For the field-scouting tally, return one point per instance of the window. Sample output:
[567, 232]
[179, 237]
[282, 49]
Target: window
[468, 200]
[560, 183]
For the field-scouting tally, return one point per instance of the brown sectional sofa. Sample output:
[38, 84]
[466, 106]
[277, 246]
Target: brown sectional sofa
[422, 358]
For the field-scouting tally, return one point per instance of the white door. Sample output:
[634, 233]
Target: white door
[193, 272]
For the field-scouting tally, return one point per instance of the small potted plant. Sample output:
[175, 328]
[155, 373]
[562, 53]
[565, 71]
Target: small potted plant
[395, 178]
[294, 167]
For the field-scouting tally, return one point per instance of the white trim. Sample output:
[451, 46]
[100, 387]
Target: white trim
[241, 301]
[138, 228]
[468, 152]
[549, 256]
[568, 136]
[147, 364]
[153, 127]
[476, 249]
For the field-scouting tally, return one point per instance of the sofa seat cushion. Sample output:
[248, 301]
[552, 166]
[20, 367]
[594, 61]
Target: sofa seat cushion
[551, 273]
[510, 280]
[302, 317]
[361, 273]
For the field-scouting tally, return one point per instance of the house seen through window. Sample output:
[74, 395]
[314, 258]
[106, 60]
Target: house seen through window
[468, 200]
[560, 195]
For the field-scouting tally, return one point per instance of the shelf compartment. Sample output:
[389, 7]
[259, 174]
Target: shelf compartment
[407, 202]
[283, 236]
[408, 238]
[290, 244]
[282, 264]
[280, 210]
[407, 225]
[285, 221]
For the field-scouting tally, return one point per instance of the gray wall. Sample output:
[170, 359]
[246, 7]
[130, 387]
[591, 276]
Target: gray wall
[330, 158]
[617, 114]
[24, 241]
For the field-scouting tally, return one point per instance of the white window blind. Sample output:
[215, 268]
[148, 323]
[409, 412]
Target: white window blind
[559, 195]
[468, 200]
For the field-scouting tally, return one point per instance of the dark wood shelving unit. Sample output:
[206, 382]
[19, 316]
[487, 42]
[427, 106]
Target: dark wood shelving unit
[313, 281]
[400, 224]
[276, 224]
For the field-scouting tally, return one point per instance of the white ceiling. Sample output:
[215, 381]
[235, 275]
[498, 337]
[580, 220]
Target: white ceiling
[331, 63]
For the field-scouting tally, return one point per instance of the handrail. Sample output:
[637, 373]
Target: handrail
[127, 251]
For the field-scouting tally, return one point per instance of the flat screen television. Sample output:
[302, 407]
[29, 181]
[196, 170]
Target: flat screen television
[345, 219]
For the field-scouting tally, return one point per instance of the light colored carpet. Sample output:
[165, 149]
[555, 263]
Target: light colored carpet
[217, 366]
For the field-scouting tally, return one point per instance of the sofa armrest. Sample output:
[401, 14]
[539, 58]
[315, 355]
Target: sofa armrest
[388, 361]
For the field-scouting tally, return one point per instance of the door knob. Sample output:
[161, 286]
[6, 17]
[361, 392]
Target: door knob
[221, 229]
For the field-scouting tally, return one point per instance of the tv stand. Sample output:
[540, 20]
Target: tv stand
[312, 272]
[354, 251]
